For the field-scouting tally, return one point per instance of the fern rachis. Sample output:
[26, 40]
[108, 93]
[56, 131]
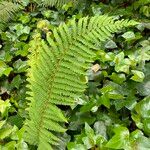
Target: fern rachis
[56, 71]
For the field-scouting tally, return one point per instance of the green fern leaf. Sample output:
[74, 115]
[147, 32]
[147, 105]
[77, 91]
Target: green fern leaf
[57, 67]
[57, 3]
[140, 3]
[7, 11]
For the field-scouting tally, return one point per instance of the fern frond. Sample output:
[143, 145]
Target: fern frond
[7, 11]
[56, 73]
[57, 3]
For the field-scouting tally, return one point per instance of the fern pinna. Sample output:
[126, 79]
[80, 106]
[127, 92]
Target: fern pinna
[57, 3]
[56, 73]
[7, 11]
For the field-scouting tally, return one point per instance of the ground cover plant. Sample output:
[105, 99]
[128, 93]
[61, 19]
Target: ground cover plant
[89, 56]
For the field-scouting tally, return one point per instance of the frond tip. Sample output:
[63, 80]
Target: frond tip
[56, 71]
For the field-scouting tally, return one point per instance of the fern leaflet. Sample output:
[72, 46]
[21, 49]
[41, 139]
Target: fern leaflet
[57, 3]
[7, 11]
[57, 68]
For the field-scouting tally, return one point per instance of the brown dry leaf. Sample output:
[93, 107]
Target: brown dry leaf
[95, 67]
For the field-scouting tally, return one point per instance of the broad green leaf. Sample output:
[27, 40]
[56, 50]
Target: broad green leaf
[120, 103]
[139, 141]
[4, 106]
[100, 129]
[104, 57]
[118, 78]
[119, 58]
[94, 109]
[143, 143]
[74, 146]
[144, 87]
[4, 69]
[143, 115]
[42, 24]
[146, 126]
[120, 140]
[137, 119]
[20, 66]
[143, 108]
[145, 10]
[5, 132]
[20, 29]
[104, 99]
[78, 118]
[107, 88]
[100, 142]
[16, 120]
[22, 49]
[89, 131]
[129, 35]
[115, 95]
[64, 140]
[138, 76]
[47, 13]
[16, 81]
[24, 18]
[130, 101]
[110, 45]
[10, 146]
[22, 146]
[88, 142]
[88, 106]
[122, 64]
[2, 123]
[7, 71]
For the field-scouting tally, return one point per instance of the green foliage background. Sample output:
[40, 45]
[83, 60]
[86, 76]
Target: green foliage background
[114, 113]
